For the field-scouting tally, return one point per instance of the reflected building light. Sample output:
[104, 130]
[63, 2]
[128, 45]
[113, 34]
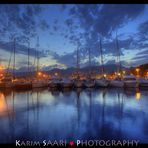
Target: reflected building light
[138, 95]
[3, 106]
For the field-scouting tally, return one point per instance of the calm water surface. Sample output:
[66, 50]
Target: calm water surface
[74, 114]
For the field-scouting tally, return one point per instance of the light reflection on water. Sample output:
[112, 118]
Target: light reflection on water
[74, 114]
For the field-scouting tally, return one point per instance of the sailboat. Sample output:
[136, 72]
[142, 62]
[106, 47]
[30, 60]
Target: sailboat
[130, 81]
[22, 83]
[77, 82]
[55, 82]
[66, 83]
[118, 81]
[143, 83]
[7, 78]
[38, 81]
[89, 82]
[103, 82]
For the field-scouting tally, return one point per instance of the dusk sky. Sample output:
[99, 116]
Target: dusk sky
[64, 28]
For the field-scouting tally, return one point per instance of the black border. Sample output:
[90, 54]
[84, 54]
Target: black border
[69, 2]
[72, 2]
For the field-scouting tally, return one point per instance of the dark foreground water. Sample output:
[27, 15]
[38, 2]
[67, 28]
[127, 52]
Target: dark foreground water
[76, 114]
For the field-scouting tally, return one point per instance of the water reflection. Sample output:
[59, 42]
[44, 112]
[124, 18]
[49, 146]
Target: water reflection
[73, 114]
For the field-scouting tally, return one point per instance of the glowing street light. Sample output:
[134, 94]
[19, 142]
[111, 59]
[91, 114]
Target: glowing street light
[39, 73]
[137, 70]
[104, 75]
[123, 71]
[119, 74]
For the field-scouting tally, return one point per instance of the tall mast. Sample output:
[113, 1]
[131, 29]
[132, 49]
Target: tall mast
[28, 56]
[37, 45]
[78, 65]
[14, 58]
[101, 55]
[118, 56]
[89, 62]
[9, 58]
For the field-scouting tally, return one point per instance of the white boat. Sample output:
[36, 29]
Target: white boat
[89, 83]
[67, 83]
[143, 82]
[39, 83]
[117, 82]
[78, 83]
[102, 82]
[54, 83]
[130, 81]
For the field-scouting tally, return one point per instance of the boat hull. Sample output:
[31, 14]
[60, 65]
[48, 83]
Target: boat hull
[116, 83]
[143, 84]
[66, 85]
[6, 85]
[78, 84]
[102, 83]
[39, 84]
[54, 85]
[89, 84]
[23, 86]
[131, 84]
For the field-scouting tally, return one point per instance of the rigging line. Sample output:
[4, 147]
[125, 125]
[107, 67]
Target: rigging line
[101, 52]
[9, 61]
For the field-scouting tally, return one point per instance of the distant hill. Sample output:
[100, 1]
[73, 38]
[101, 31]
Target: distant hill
[109, 68]
[142, 67]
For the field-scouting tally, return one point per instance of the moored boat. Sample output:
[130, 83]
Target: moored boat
[22, 84]
[66, 83]
[89, 83]
[130, 81]
[117, 82]
[102, 82]
[55, 83]
[6, 82]
[143, 82]
[39, 83]
[78, 83]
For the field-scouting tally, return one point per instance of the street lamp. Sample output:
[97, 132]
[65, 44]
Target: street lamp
[137, 70]
[123, 72]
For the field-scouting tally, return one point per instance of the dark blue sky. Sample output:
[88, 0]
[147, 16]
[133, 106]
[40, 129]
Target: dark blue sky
[63, 28]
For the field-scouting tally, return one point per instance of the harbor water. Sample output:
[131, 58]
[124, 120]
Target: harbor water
[84, 114]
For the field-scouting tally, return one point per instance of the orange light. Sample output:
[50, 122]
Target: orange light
[147, 73]
[119, 74]
[105, 75]
[39, 73]
[137, 69]
[3, 106]
[44, 76]
[2, 67]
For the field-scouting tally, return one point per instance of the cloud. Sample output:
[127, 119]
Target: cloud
[21, 19]
[20, 49]
[143, 28]
[103, 19]
[93, 21]
[141, 59]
